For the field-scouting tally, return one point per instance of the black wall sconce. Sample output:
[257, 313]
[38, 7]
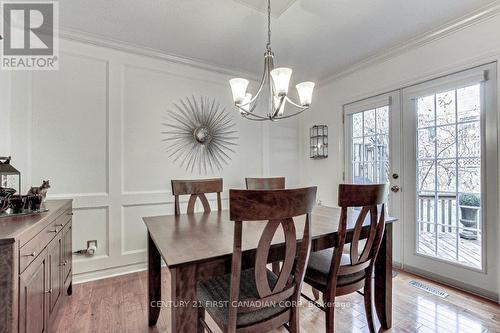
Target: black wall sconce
[318, 147]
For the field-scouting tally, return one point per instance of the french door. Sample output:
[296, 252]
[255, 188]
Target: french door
[436, 144]
[450, 175]
[373, 150]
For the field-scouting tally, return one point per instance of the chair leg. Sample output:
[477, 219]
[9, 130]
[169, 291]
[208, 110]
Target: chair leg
[368, 305]
[315, 293]
[294, 321]
[276, 267]
[330, 317]
[201, 319]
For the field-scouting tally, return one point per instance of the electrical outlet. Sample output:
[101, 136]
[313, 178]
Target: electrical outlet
[91, 242]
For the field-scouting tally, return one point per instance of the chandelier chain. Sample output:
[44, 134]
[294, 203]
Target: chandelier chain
[277, 80]
[268, 46]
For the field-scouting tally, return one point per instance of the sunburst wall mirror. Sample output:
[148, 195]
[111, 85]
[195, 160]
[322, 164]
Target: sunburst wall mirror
[199, 134]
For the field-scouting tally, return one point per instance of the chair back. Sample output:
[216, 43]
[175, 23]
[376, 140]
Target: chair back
[273, 208]
[197, 190]
[276, 183]
[371, 201]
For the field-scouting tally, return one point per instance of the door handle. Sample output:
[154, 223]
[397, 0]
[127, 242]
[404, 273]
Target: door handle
[395, 189]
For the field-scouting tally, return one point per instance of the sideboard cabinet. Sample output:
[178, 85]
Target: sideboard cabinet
[35, 268]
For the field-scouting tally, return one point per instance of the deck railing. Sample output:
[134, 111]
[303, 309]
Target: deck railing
[446, 211]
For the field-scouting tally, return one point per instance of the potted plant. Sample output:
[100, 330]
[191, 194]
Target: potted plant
[469, 208]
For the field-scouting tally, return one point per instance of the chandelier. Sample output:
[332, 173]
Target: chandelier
[277, 81]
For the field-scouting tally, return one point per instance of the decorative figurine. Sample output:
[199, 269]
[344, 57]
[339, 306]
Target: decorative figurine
[42, 190]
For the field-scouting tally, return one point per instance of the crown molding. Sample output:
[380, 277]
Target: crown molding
[118, 45]
[480, 15]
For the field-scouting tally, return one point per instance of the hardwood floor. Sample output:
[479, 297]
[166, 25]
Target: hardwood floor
[119, 305]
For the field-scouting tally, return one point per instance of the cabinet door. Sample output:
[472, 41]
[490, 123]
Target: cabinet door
[55, 275]
[33, 287]
[67, 252]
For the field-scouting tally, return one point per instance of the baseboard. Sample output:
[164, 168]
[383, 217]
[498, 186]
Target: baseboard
[108, 273]
[453, 283]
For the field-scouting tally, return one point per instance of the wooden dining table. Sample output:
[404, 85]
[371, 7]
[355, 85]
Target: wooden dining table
[200, 245]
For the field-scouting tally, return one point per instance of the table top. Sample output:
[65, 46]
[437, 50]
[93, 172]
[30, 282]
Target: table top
[189, 238]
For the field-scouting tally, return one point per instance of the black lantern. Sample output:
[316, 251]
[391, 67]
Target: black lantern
[318, 147]
[10, 177]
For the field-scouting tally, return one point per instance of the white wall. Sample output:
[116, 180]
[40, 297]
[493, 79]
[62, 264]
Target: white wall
[4, 113]
[93, 129]
[473, 45]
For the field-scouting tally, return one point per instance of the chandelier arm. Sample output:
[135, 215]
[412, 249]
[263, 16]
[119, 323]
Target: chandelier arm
[247, 114]
[277, 109]
[295, 104]
[261, 86]
[291, 115]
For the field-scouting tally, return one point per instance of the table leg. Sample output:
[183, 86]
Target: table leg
[183, 288]
[154, 282]
[383, 279]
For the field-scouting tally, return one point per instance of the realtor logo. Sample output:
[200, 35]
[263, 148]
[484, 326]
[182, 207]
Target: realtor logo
[29, 36]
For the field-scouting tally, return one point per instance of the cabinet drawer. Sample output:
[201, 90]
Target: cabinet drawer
[61, 221]
[35, 246]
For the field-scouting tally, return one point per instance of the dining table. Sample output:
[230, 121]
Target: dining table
[198, 246]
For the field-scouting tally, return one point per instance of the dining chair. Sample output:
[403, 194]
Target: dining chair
[274, 183]
[197, 190]
[335, 273]
[256, 299]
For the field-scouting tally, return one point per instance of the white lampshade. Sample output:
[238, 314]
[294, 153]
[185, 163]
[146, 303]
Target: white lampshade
[245, 105]
[281, 78]
[305, 90]
[239, 88]
[277, 100]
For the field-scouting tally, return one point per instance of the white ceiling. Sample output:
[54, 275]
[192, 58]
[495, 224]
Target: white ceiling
[278, 6]
[315, 37]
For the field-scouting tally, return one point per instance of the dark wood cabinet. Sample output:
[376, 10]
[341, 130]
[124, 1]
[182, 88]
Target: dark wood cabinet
[33, 287]
[35, 274]
[67, 256]
[54, 255]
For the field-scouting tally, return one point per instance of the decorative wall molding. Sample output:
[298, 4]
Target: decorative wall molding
[478, 16]
[92, 39]
[109, 212]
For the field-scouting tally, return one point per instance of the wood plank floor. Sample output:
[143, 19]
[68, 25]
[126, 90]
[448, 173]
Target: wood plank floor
[119, 305]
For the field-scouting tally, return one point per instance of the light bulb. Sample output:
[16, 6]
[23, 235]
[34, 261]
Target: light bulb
[305, 90]
[239, 88]
[281, 78]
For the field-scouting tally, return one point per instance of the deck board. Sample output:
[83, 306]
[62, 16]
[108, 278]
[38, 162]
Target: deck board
[469, 251]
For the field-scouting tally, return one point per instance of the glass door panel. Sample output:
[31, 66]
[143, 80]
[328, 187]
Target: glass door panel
[448, 165]
[370, 146]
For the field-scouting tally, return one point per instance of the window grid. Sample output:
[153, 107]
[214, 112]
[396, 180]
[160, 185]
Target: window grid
[439, 194]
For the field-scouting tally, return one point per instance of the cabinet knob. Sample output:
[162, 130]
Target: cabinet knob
[49, 291]
[70, 213]
[32, 254]
[59, 225]
[55, 231]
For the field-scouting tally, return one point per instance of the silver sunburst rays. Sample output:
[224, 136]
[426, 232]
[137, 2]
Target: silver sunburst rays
[199, 134]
